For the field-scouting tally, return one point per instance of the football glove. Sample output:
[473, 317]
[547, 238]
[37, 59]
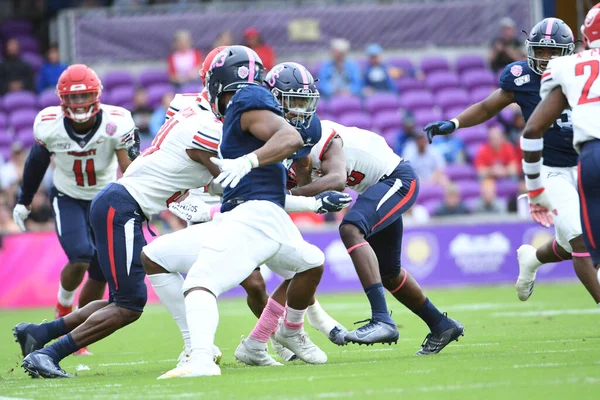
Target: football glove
[232, 171]
[192, 209]
[332, 201]
[439, 128]
[133, 144]
[20, 214]
[541, 209]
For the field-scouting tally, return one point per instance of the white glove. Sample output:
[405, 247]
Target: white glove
[541, 209]
[20, 214]
[215, 189]
[234, 170]
[193, 210]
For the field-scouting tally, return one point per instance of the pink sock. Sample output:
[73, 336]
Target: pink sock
[294, 319]
[267, 323]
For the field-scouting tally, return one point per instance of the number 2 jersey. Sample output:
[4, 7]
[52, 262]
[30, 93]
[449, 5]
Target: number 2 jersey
[164, 172]
[368, 157]
[84, 163]
[576, 75]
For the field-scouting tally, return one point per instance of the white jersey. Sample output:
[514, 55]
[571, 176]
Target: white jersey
[164, 172]
[577, 75]
[183, 100]
[84, 164]
[368, 157]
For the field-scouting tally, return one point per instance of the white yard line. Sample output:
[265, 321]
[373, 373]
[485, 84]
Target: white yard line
[546, 313]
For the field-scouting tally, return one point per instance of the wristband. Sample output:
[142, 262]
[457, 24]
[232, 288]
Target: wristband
[532, 144]
[533, 184]
[455, 122]
[253, 158]
[533, 168]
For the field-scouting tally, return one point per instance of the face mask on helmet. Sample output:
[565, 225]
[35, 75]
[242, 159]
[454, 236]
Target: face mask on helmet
[80, 106]
[298, 107]
[539, 54]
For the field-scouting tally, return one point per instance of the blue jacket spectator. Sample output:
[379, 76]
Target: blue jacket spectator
[451, 147]
[340, 75]
[377, 77]
[50, 71]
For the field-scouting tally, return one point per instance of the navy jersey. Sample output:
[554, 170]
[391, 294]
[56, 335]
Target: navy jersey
[310, 137]
[262, 183]
[558, 139]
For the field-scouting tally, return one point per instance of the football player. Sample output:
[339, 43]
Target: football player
[88, 140]
[569, 82]
[520, 83]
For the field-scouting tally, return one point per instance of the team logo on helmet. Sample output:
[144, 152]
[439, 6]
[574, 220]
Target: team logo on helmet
[243, 72]
[516, 70]
[591, 16]
[111, 128]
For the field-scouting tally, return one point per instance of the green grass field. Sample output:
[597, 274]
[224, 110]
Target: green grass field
[546, 348]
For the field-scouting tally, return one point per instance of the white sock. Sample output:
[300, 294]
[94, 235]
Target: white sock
[292, 320]
[203, 318]
[168, 290]
[65, 297]
[319, 319]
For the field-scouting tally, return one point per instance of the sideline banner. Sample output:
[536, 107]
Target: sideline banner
[446, 255]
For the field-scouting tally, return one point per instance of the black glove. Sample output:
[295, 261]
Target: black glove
[439, 128]
[133, 146]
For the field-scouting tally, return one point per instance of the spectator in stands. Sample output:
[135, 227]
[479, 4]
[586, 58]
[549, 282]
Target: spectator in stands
[426, 160]
[50, 71]
[376, 76]
[225, 38]
[7, 225]
[452, 148]
[253, 39]
[340, 75]
[407, 132]
[142, 112]
[41, 218]
[15, 74]
[497, 158]
[519, 206]
[158, 117]
[452, 205]
[506, 48]
[184, 61]
[416, 215]
[488, 202]
[11, 173]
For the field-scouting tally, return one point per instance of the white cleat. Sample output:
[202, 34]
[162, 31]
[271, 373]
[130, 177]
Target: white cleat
[301, 345]
[285, 353]
[191, 370]
[217, 355]
[528, 265]
[186, 355]
[255, 356]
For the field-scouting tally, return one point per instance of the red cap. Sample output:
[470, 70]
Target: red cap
[251, 32]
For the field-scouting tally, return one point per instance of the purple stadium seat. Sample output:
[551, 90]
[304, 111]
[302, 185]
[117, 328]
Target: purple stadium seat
[22, 119]
[153, 76]
[433, 64]
[416, 99]
[19, 100]
[5, 139]
[323, 106]
[430, 191]
[29, 44]
[381, 102]
[48, 98]
[472, 150]
[481, 93]
[400, 62]
[3, 122]
[360, 120]
[406, 84]
[506, 188]
[469, 61]
[494, 122]
[478, 78]
[425, 116]
[474, 134]
[16, 28]
[441, 80]
[120, 96]
[115, 79]
[450, 98]
[432, 205]
[386, 121]
[191, 87]
[460, 172]
[5, 152]
[342, 104]
[507, 114]
[326, 117]
[25, 136]
[452, 112]
[469, 189]
[33, 59]
[156, 92]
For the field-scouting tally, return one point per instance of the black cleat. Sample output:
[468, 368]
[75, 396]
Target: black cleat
[28, 343]
[39, 365]
[374, 332]
[434, 343]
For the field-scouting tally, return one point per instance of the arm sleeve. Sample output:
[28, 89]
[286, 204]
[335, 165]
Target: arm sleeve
[35, 167]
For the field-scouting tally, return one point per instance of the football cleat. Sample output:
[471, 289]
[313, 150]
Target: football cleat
[28, 343]
[301, 345]
[192, 369]
[186, 355]
[61, 311]
[217, 355]
[83, 352]
[528, 265]
[434, 343]
[285, 353]
[338, 335]
[254, 356]
[39, 365]
[373, 332]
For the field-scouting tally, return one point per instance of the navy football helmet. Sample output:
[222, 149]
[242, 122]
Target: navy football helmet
[232, 69]
[294, 88]
[550, 33]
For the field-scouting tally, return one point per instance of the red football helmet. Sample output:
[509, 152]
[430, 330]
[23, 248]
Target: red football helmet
[591, 28]
[79, 90]
[208, 61]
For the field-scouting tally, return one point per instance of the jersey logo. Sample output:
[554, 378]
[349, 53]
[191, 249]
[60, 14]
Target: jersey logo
[63, 146]
[100, 141]
[522, 80]
[111, 128]
[516, 70]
